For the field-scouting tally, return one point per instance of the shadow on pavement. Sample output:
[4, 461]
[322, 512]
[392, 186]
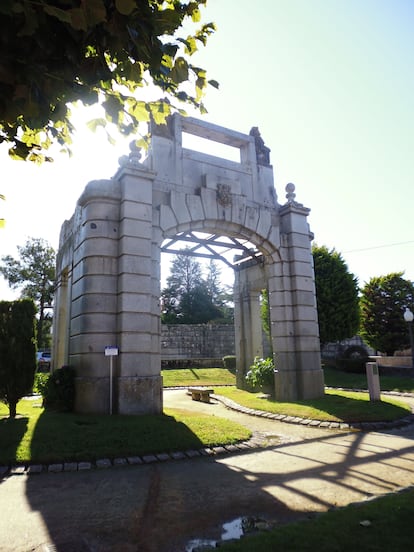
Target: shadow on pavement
[162, 506]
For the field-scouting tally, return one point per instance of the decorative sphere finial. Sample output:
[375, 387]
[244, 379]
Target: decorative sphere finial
[290, 189]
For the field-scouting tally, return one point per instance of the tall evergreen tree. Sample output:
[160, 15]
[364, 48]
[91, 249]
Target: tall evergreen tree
[17, 351]
[383, 302]
[188, 298]
[34, 274]
[336, 296]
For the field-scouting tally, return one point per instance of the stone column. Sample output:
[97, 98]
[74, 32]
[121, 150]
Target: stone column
[292, 300]
[94, 293]
[139, 385]
[247, 322]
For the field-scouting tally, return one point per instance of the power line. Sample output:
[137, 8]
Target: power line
[378, 247]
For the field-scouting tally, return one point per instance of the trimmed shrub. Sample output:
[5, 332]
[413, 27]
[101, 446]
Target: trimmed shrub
[17, 351]
[229, 362]
[59, 392]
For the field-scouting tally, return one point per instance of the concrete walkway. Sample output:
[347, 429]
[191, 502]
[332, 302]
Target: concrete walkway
[162, 506]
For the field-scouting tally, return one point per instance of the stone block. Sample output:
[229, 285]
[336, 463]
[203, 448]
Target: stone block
[167, 218]
[133, 210]
[129, 245]
[134, 302]
[135, 228]
[195, 207]
[131, 283]
[140, 395]
[92, 395]
[134, 264]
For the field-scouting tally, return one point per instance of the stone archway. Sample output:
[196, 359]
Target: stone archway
[109, 265]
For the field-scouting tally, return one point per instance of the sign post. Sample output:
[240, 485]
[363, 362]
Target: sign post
[111, 351]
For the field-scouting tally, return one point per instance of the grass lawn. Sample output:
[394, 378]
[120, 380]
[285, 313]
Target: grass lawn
[40, 436]
[388, 526]
[197, 376]
[336, 378]
[340, 406]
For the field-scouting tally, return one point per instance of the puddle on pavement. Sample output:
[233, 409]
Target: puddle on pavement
[234, 529]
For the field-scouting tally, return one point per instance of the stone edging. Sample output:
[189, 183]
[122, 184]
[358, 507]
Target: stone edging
[255, 442]
[358, 426]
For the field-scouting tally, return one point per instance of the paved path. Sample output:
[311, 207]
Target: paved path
[160, 507]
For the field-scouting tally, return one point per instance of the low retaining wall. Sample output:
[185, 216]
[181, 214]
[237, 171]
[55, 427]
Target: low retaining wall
[196, 344]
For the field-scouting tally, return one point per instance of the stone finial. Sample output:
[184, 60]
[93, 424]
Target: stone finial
[290, 189]
[262, 151]
[290, 195]
[135, 153]
[134, 157]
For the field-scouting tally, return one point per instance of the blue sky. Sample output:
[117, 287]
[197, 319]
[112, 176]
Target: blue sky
[329, 83]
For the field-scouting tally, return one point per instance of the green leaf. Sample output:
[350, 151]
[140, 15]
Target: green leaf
[126, 7]
[138, 109]
[179, 72]
[93, 124]
[196, 15]
[62, 15]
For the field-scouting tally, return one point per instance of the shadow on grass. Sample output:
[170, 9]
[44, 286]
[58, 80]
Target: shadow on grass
[64, 437]
[355, 409]
[195, 374]
[341, 406]
[12, 431]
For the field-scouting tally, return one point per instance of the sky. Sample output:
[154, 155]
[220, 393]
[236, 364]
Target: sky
[329, 83]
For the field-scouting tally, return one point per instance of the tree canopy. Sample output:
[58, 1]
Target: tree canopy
[336, 296]
[383, 302]
[34, 273]
[57, 52]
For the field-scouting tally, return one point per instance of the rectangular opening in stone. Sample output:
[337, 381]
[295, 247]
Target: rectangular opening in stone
[210, 147]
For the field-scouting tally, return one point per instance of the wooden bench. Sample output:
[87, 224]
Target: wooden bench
[200, 393]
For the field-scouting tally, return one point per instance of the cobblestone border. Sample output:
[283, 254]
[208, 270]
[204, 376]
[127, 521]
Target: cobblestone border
[257, 441]
[354, 426]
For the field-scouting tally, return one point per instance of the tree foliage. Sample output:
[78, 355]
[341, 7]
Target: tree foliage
[336, 296]
[383, 302]
[188, 298]
[34, 273]
[17, 351]
[54, 53]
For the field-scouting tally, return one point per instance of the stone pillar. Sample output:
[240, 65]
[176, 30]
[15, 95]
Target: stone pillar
[94, 293]
[292, 300]
[139, 385]
[247, 322]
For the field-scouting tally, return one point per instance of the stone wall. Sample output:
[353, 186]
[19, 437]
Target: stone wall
[199, 343]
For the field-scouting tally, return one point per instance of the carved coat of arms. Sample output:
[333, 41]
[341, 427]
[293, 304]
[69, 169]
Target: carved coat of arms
[224, 194]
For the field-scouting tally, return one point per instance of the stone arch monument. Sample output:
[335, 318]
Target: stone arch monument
[108, 267]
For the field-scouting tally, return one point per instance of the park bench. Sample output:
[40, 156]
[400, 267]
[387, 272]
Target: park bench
[200, 394]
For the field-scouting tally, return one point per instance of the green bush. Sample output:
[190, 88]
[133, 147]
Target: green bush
[261, 375]
[229, 362]
[59, 392]
[40, 383]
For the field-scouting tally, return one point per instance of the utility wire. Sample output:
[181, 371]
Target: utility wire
[378, 247]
